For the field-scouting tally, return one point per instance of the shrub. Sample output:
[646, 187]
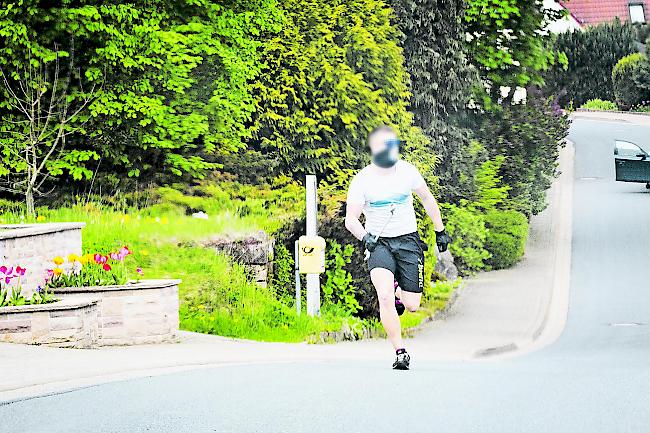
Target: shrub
[507, 232]
[528, 135]
[333, 73]
[625, 77]
[599, 104]
[467, 228]
[282, 279]
[338, 288]
[591, 55]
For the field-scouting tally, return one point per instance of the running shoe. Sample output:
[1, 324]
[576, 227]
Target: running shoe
[402, 361]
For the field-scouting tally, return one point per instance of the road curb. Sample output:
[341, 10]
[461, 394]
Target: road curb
[554, 319]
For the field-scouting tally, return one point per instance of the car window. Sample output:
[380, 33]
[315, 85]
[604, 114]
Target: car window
[625, 148]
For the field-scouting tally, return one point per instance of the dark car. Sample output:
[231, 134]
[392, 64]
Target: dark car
[632, 163]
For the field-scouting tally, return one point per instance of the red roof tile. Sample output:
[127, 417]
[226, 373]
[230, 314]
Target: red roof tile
[591, 12]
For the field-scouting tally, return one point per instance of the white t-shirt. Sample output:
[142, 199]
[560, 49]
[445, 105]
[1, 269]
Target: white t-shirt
[381, 193]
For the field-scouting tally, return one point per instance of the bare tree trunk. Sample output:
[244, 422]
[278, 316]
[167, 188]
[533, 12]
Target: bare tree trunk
[29, 200]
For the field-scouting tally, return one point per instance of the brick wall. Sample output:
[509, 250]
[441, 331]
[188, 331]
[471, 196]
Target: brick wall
[139, 313]
[62, 324]
[33, 246]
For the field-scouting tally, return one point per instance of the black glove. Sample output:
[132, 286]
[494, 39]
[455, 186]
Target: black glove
[442, 240]
[370, 242]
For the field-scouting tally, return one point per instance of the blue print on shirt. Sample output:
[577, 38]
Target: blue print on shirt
[393, 200]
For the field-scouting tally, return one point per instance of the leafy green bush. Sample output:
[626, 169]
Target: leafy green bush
[599, 104]
[591, 55]
[338, 288]
[625, 77]
[507, 232]
[528, 134]
[467, 229]
[282, 277]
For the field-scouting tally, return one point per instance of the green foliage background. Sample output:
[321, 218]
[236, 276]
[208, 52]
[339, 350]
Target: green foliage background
[224, 106]
[591, 56]
[628, 79]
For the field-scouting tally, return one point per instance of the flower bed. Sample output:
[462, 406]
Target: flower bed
[98, 305]
[11, 290]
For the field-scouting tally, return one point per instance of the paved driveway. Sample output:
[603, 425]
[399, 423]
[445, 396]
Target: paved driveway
[595, 378]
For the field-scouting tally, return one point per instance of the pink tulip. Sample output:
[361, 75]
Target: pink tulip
[3, 269]
[115, 256]
[98, 258]
[10, 271]
[8, 280]
[139, 271]
[124, 251]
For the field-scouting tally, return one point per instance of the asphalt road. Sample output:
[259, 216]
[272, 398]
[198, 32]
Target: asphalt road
[595, 378]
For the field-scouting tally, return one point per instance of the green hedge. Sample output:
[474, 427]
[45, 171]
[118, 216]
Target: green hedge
[625, 77]
[599, 104]
[591, 55]
[467, 228]
[507, 232]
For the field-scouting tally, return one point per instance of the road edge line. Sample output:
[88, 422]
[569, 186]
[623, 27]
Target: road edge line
[555, 318]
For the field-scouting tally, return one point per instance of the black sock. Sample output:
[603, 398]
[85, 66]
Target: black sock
[400, 351]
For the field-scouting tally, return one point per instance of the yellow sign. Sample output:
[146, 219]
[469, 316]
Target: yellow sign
[311, 254]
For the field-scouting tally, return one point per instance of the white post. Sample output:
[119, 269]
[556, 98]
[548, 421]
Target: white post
[297, 274]
[313, 280]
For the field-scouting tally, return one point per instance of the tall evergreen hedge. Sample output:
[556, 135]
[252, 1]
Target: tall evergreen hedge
[433, 38]
[591, 56]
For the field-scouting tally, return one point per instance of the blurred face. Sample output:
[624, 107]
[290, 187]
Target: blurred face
[384, 148]
[378, 142]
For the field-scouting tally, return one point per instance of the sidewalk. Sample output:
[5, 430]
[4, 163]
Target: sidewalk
[615, 116]
[503, 312]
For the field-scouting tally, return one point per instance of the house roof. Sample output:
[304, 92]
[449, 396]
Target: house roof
[592, 12]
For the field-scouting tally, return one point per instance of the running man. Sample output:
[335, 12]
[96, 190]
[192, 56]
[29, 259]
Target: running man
[383, 191]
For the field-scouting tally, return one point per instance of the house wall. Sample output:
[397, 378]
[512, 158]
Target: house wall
[568, 23]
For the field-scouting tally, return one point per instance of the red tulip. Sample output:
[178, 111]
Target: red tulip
[3, 269]
[107, 267]
[20, 271]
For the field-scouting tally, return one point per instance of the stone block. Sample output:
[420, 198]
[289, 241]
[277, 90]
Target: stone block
[113, 306]
[15, 326]
[62, 323]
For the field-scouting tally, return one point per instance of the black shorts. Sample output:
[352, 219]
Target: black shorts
[404, 257]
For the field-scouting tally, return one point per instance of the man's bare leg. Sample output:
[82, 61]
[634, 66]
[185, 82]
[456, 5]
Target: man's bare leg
[410, 300]
[384, 280]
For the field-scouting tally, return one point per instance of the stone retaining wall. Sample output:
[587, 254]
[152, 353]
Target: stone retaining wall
[254, 251]
[68, 323]
[136, 313]
[33, 246]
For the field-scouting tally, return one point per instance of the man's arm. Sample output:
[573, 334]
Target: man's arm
[430, 206]
[352, 223]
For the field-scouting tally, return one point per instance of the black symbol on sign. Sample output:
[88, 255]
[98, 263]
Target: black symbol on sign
[308, 250]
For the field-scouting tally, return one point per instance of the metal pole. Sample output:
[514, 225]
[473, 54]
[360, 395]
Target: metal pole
[313, 280]
[297, 272]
